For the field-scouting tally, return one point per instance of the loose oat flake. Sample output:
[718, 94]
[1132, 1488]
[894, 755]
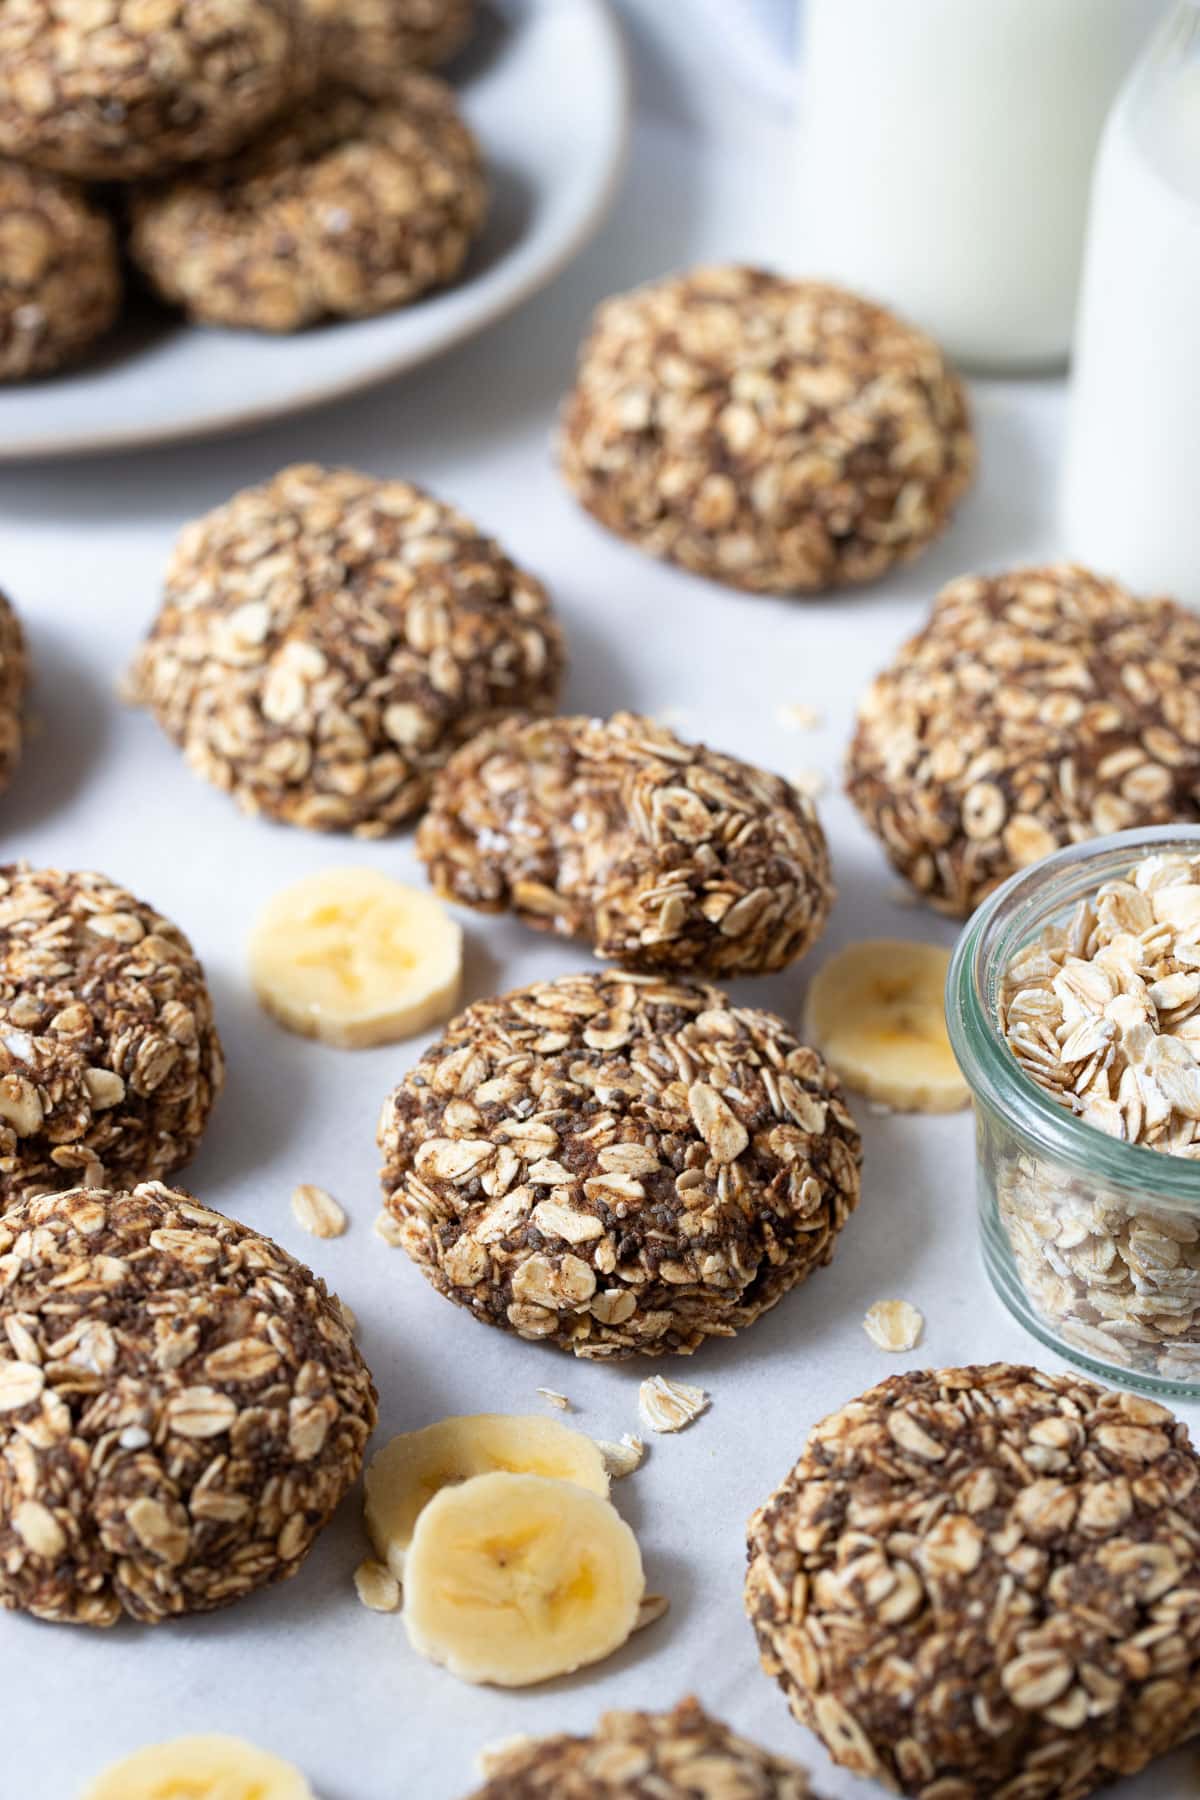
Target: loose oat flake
[894, 1324]
[376, 1586]
[670, 1405]
[653, 1608]
[318, 1212]
[552, 1397]
[623, 1457]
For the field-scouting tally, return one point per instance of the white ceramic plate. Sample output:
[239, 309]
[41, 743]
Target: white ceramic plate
[545, 89]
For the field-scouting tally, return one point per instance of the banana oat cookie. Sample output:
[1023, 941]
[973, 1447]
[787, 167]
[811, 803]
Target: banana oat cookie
[111, 90]
[1035, 709]
[14, 684]
[366, 44]
[326, 640]
[986, 1581]
[109, 1057]
[346, 207]
[663, 855]
[60, 278]
[617, 1163]
[678, 1755]
[782, 436]
[181, 1407]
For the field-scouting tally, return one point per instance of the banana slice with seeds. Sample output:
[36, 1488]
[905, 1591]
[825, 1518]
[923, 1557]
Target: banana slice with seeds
[513, 1579]
[354, 958]
[200, 1768]
[403, 1477]
[876, 1011]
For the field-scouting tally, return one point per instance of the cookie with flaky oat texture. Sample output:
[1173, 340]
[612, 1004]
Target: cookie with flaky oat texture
[984, 1582]
[367, 44]
[662, 855]
[618, 1164]
[684, 1754]
[327, 640]
[182, 1406]
[60, 276]
[344, 208]
[781, 436]
[14, 685]
[1035, 709]
[115, 92]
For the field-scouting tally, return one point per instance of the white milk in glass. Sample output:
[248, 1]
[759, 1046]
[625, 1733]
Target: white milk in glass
[1131, 489]
[945, 153]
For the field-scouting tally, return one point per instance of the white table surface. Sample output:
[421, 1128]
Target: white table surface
[303, 1668]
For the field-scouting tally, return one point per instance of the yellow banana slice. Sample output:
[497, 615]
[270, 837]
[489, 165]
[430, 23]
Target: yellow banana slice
[513, 1579]
[404, 1476]
[200, 1768]
[877, 1013]
[354, 958]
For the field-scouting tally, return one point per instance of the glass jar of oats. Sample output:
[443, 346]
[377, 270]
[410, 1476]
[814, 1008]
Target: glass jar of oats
[1073, 1003]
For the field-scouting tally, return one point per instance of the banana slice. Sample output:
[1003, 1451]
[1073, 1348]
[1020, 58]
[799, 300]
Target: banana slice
[407, 1472]
[354, 958]
[877, 1013]
[513, 1579]
[201, 1768]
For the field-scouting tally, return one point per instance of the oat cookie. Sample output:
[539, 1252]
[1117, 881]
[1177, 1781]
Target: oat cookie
[619, 1164]
[181, 1407]
[663, 855]
[366, 44]
[781, 436]
[109, 1057]
[325, 642]
[346, 207]
[14, 683]
[112, 91]
[1035, 709]
[983, 1581]
[60, 280]
[677, 1755]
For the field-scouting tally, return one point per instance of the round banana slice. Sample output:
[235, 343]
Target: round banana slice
[354, 958]
[403, 1477]
[200, 1768]
[877, 1013]
[513, 1579]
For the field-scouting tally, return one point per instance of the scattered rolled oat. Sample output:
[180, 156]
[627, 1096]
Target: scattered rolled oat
[318, 1212]
[676, 1755]
[894, 1324]
[782, 436]
[181, 1410]
[327, 640]
[1035, 709]
[60, 277]
[670, 1405]
[376, 1586]
[552, 1397]
[345, 208]
[653, 1608]
[982, 1582]
[812, 783]
[663, 855]
[797, 716]
[14, 685]
[369, 44]
[109, 1056]
[623, 1457]
[618, 1164]
[108, 92]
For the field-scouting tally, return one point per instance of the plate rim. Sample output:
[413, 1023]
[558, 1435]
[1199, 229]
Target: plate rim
[240, 419]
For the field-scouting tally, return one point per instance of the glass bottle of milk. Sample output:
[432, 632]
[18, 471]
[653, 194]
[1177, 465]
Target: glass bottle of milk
[1130, 503]
[945, 153]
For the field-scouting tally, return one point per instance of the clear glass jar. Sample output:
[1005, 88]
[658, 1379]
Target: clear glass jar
[1093, 1244]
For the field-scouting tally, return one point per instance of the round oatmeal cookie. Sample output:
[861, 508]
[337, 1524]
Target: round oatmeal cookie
[367, 44]
[60, 277]
[111, 92]
[618, 1164]
[984, 1581]
[1035, 709]
[109, 1057]
[781, 436]
[663, 855]
[14, 684]
[345, 208]
[325, 642]
[679, 1755]
[182, 1407]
